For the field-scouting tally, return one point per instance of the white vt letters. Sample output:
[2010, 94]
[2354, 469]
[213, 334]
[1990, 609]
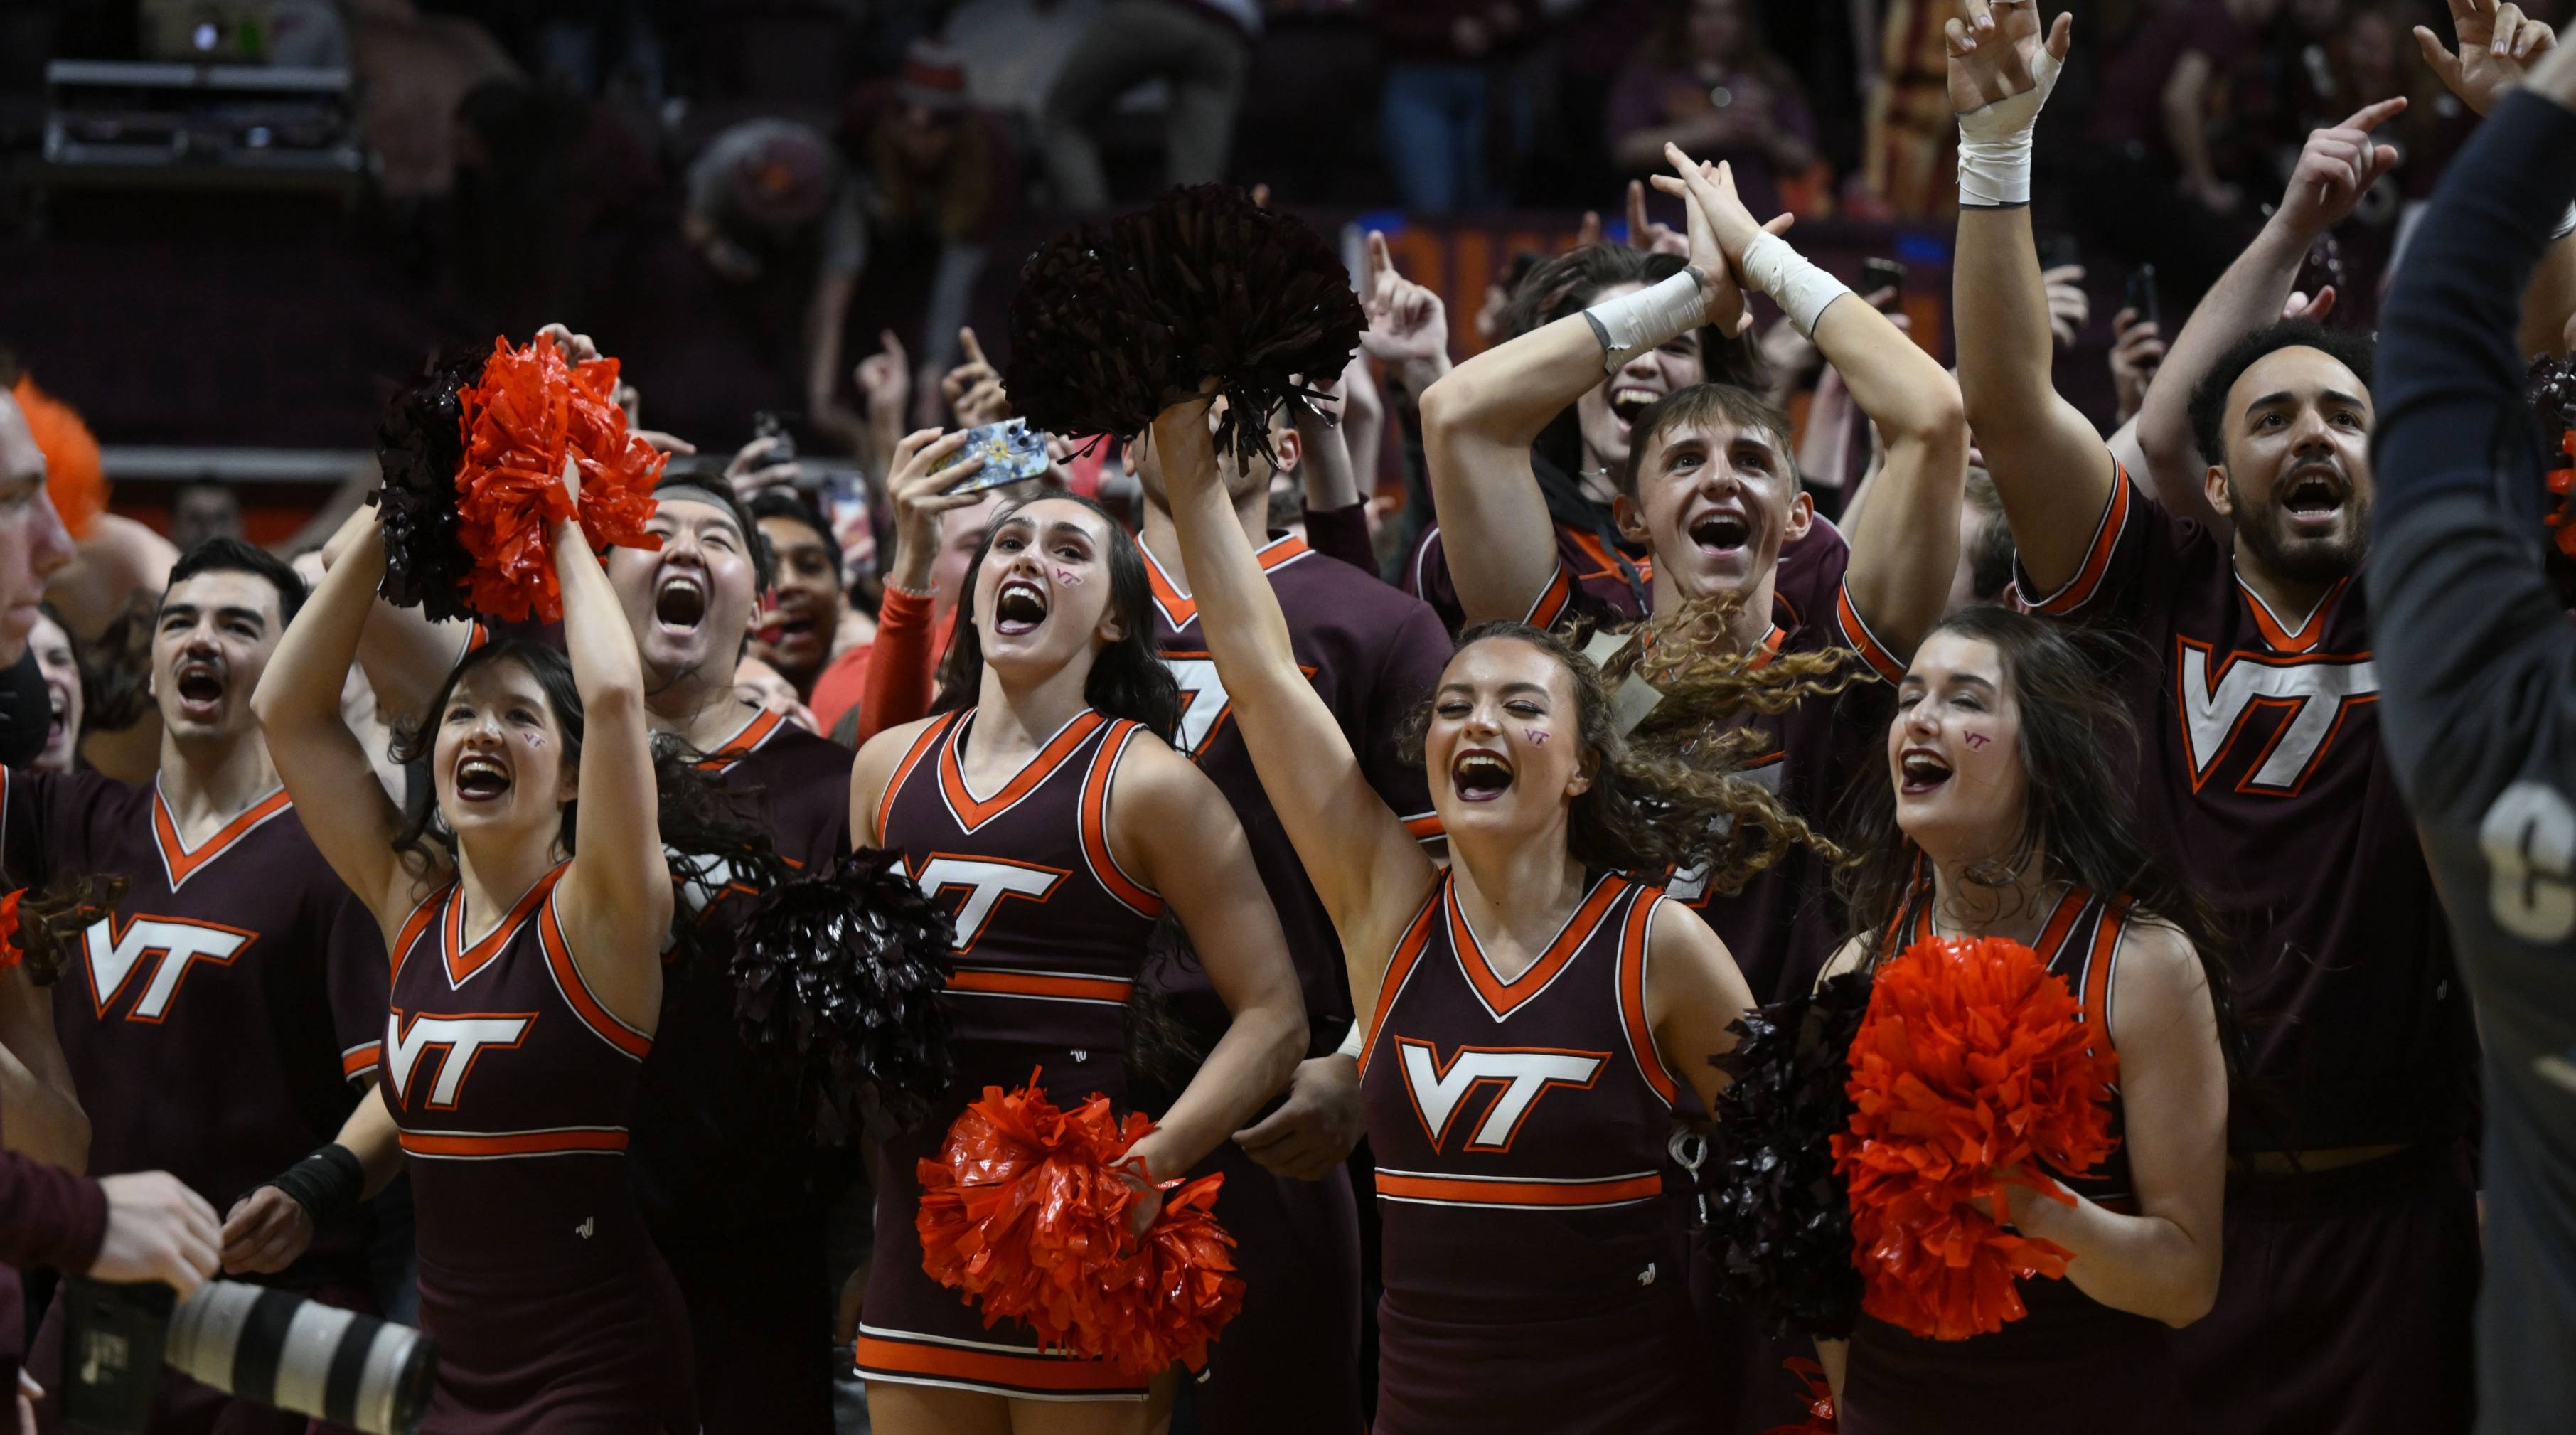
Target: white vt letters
[1525, 1076]
[465, 1037]
[2315, 692]
[1204, 695]
[986, 884]
[112, 958]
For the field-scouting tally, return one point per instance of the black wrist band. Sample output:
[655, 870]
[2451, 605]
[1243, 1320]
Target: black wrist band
[326, 1183]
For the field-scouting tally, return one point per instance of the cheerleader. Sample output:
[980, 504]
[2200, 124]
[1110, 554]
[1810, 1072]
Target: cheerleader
[1042, 808]
[2004, 815]
[1533, 1017]
[525, 932]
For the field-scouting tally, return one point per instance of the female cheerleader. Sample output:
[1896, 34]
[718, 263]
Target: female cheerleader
[525, 937]
[1043, 809]
[1536, 1014]
[2004, 815]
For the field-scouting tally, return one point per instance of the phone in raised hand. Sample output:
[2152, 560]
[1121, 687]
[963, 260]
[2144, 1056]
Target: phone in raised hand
[1012, 453]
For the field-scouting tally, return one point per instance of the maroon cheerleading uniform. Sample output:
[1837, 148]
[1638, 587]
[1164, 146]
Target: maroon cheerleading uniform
[513, 1086]
[213, 1025]
[1289, 1360]
[1050, 934]
[2071, 1363]
[2345, 1301]
[1530, 1203]
[728, 1177]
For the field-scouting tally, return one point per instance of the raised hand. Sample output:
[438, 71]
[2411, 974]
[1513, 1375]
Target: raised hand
[2338, 167]
[1993, 49]
[2498, 46]
[917, 487]
[2136, 349]
[884, 378]
[760, 465]
[974, 388]
[2069, 307]
[1720, 228]
[1407, 323]
[1647, 234]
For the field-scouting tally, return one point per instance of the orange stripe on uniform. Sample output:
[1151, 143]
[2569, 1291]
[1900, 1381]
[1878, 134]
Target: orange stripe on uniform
[359, 1058]
[567, 976]
[512, 1143]
[2097, 974]
[1552, 600]
[1025, 984]
[921, 745]
[1864, 642]
[1632, 996]
[1401, 1186]
[992, 1367]
[2097, 559]
[1095, 824]
[1400, 966]
[415, 925]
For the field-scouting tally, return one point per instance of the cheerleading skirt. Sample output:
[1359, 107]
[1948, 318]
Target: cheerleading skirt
[2070, 1364]
[1628, 1366]
[2345, 1306]
[915, 1331]
[601, 1348]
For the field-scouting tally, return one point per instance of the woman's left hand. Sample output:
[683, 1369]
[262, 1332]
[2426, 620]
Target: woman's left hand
[1147, 1207]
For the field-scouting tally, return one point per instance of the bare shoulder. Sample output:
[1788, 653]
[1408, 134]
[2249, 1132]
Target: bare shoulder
[1154, 784]
[1846, 958]
[873, 769]
[2161, 982]
[1688, 955]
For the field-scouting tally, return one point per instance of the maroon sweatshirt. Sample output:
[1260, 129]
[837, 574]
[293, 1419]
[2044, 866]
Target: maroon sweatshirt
[48, 1217]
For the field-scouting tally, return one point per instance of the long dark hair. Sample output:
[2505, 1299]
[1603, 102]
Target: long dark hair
[1128, 679]
[703, 824]
[1670, 794]
[2078, 752]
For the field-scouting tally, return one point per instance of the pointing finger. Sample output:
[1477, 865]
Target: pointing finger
[974, 351]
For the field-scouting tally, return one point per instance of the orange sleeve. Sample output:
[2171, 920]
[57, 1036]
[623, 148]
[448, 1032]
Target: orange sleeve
[898, 687]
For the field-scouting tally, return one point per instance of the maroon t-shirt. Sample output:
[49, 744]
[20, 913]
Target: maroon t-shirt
[2265, 782]
[1593, 578]
[216, 1023]
[717, 1142]
[1373, 655]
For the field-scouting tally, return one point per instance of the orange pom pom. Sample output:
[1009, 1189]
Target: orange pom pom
[1816, 1395]
[1970, 1064]
[74, 477]
[1025, 1211]
[530, 410]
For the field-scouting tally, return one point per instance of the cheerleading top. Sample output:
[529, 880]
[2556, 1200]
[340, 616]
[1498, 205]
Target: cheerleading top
[1050, 929]
[1521, 1128]
[2080, 944]
[512, 1085]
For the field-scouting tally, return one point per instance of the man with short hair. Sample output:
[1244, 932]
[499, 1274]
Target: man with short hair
[728, 1179]
[796, 633]
[217, 1023]
[2351, 1224]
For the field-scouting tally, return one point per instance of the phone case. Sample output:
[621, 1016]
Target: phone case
[1011, 454]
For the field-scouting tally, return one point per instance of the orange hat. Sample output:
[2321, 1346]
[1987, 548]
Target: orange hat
[73, 476]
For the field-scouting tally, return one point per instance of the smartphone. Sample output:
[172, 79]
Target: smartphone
[2056, 251]
[2141, 296]
[1011, 452]
[773, 424]
[1877, 274]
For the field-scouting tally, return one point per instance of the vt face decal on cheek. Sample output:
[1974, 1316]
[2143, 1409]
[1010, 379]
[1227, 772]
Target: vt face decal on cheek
[1068, 578]
[1977, 739]
[1537, 736]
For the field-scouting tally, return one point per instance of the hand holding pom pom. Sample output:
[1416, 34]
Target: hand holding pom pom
[1969, 1071]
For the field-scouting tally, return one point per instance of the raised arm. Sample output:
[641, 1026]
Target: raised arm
[323, 764]
[2162, 1262]
[403, 654]
[1479, 422]
[1184, 840]
[1902, 563]
[1364, 864]
[616, 901]
[2048, 463]
[2337, 168]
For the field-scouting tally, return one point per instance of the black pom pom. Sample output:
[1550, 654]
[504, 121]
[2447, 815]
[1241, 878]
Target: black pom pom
[1779, 1218]
[420, 443]
[836, 979]
[1111, 326]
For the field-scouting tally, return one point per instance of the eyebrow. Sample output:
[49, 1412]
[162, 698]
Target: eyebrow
[2284, 396]
[1922, 681]
[1508, 688]
[189, 610]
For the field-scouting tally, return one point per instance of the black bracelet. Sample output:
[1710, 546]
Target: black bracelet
[326, 1184]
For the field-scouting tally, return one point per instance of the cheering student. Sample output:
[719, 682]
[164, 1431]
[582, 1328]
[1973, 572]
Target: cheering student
[2475, 642]
[2004, 814]
[729, 1180]
[1044, 809]
[215, 1022]
[2351, 1232]
[525, 912]
[1534, 1271]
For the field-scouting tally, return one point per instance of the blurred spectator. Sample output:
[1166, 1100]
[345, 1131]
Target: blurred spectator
[936, 175]
[1705, 80]
[553, 193]
[412, 71]
[204, 509]
[777, 217]
[2167, 121]
[1201, 48]
[800, 629]
[1910, 159]
[1439, 94]
[58, 658]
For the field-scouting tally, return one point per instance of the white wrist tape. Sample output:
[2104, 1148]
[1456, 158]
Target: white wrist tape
[1800, 289]
[2566, 225]
[1352, 1043]
[1994, 143]
[1650, 318]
